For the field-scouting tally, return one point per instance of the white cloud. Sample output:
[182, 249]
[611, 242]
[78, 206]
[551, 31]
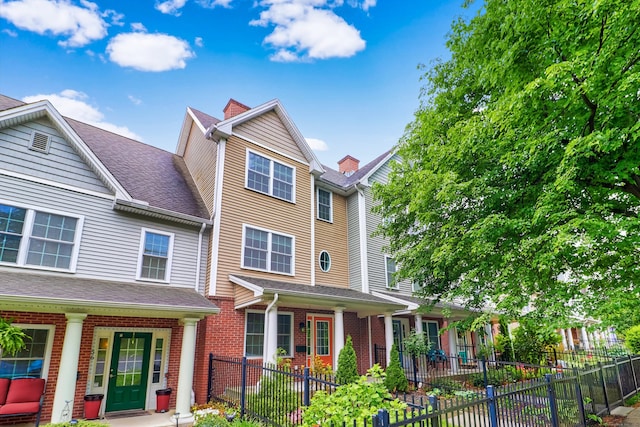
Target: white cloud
[138, 26]
[210, 4]
[308, 29]
[71, 103]
[364, 5]
[198, 42]
[10, 33]
[317, 144]
[149, 52]
[134, 100]
[116, 18]
[58, 17]
[171, 7]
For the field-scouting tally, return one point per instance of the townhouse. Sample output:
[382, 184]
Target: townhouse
[103, 247]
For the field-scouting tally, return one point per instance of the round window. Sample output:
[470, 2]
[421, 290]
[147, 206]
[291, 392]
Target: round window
[325, 261]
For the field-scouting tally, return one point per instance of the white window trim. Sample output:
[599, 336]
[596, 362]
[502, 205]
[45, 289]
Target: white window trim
[320, 263]
[271, 160]
[425, 329]
[26, 236]
[271, 232]
[143, 233]
[291, 332]
[330, 220]
[48, 348]
[386, 274]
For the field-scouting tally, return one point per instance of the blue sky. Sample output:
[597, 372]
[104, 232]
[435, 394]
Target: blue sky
[345, 71]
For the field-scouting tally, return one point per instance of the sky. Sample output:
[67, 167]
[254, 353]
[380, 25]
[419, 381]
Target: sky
[346, 71]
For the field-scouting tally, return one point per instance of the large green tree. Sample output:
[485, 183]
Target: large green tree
[520, 176]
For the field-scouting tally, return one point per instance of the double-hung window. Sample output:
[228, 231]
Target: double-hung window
[266, 250]
[254, 336]
[325, 211]
[156, 249]
[390, 270]
[35, 238]
[271, 177]
[432, 332]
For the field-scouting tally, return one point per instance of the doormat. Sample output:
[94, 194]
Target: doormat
[126, 414]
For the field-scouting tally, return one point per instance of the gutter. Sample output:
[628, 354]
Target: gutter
[143, 208]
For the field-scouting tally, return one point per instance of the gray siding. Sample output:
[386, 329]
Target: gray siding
[110, 239]
[62, 164]
[353, 236]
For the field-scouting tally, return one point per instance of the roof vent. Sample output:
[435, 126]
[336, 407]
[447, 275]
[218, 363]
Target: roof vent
[40, 142]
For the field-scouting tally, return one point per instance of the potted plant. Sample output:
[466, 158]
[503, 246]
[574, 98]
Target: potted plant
[12, 338]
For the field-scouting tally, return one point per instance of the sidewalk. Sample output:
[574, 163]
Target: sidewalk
[632, 415]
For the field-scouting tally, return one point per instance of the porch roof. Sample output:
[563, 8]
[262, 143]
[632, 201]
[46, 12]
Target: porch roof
[47, 293]
[412, 303]
[315, 297]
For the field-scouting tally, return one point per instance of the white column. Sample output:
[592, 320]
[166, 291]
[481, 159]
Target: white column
[453, 348]
[564, 339]
[338, 335]
[271, 335]
[388, 335]
[68, 371]
[418, 327]
[572, 345]
[488, 330]
[185, 372]
[585, 338]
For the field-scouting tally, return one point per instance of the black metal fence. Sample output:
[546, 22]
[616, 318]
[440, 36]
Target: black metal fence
[560, 398]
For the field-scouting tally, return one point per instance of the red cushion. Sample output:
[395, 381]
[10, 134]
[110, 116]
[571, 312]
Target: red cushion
[20, 408]
[4, 388]
[25, 390]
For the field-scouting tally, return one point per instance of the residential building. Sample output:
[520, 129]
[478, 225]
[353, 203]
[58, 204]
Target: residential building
[103, 256]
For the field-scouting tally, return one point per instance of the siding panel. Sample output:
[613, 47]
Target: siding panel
[200, 158]
[332, 237]
[268, 130]
[353, 239]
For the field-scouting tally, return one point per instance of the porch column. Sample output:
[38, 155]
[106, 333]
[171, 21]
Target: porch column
[585, 338]
[185, 372]
[338, 335]
[488, 330]
[388, 335]
[68, 372]
[271, 334]
[572, 346]
[418, 327]
[453, 348]
[592, 340]
[564, 339]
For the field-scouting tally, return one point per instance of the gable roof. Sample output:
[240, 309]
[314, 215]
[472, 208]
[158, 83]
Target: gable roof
[142, 176]
[361, 176]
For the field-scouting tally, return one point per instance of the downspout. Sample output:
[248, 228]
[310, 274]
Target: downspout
[362, 230]
[199, 259]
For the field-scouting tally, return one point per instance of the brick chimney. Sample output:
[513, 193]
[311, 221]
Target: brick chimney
[348, 165]
[234, 108]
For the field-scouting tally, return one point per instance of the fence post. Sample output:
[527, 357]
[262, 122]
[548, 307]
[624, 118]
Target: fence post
[604, 387]
[210, 379]
[583, 417]
[415, 370]
[615, 362]
[306, 386]
[375, 353]
[553, 405]
[433, 402]
[484, 371]
[381, 419]
[243, 387]
[493, 413]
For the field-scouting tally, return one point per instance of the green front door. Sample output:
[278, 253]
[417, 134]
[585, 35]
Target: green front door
[129, 371]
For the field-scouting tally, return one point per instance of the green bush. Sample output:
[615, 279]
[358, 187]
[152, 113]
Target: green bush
[275, 400]
[446, 384]
[395, 380]
[632, 339]
[356, 402]
[347, 364]
[531, 340]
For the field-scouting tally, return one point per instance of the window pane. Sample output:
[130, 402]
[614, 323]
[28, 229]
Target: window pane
[11, 219]
[254, 334]
[322, 338]
[49, 254]
[155, 257]
[255, 248]
[281, 253]
[324, 205]
[258, 174]
[54, 227]
[153, 268]
[156, 244]
[325, 261]
[284, 333]
[9, 246]
[29, 361]
[282, 181]
[391, 269]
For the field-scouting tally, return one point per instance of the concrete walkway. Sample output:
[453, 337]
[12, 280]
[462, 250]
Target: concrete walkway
[632, 415]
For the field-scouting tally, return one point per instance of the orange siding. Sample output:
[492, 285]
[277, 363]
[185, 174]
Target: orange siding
[332, 237]
[200, 157]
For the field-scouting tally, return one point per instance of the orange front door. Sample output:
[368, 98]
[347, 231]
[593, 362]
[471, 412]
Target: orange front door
[319, 339]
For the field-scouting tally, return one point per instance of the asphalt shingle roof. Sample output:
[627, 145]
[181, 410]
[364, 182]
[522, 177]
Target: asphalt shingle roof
[336, 178]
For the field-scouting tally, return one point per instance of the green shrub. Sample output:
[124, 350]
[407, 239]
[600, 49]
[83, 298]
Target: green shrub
[632, 339]
[447, 384]
[347, 364]
[395, 380]
[356, 402]
[275, 400]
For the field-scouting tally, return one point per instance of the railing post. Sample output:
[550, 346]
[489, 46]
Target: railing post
[433, 402]
[210, 379]
[604, 387]
[306, 400]
[493, 413]
[553, 405]
[484, 371]
[415, 370]
[243, 387]
[375, 353]
[381, 419]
